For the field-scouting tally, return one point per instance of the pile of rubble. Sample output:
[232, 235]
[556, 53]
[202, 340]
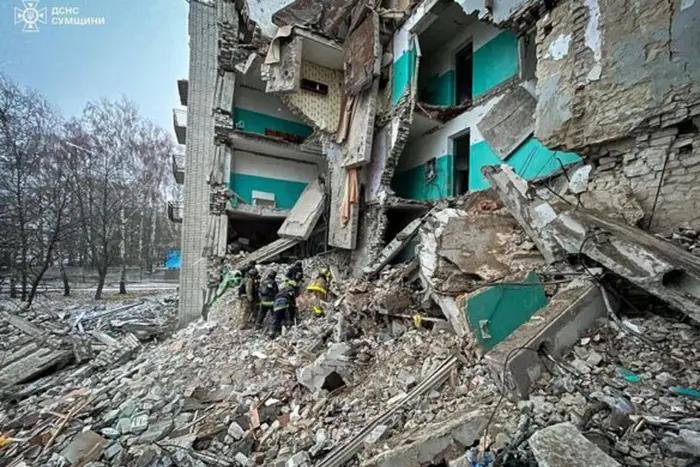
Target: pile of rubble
[688, 239]
[45, 338]
[638, 402]
[213, 393]
[510, 332]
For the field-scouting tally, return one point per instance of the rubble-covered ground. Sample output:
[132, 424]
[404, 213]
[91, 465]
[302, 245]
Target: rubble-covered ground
[212, 394]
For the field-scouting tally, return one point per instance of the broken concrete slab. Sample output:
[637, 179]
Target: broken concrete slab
[533, 216]
[325, 17]
[510, 122]
[655, 265]
[29, 366]
[358, 147]
[393, 248]
[556, 327]
[328, 372]
[563, 445]
[303, 217]
[285, 75]
[267, 252]
[362, 51]
[434, 442]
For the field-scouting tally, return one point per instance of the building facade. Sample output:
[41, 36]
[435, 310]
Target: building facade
[394, 106]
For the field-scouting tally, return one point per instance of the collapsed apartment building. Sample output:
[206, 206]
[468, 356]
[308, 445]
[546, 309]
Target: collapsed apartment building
[337, 124]
[501, 178]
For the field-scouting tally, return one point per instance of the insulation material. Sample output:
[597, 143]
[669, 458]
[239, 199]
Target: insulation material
[362, 51]
[322, 110]
[305, 214]
[285, 74]
[510, 122]
[358, 148]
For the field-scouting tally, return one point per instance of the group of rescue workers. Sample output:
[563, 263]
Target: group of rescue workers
[260, 297]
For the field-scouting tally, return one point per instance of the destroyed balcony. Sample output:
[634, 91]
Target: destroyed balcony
[239, 210]
[182, 89]
[175, 211]
[180, 124]
[275, 147]
[179, 169]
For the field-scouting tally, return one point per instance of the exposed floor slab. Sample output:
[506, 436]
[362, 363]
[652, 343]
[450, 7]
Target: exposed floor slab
[305, 214]
[267, 252]
[555, 328]
[663, 269]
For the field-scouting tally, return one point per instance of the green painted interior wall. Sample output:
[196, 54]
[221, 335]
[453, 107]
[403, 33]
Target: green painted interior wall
[256, 122]
[440, 90]
[506, 308]
[411, 183]
[531, 160]
[286, 192]
[402, 73]
[495, 62]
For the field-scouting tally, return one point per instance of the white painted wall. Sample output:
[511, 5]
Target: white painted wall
[442, 60]
[401, 42]
[263, 166]
[262, 102]
[437, 144]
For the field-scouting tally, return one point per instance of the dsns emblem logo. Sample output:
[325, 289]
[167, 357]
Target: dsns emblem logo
[30, 16]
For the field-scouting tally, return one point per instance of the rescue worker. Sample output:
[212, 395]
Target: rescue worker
[295, 276]
[319, 289]
[250, 298]
[268, 291]
[285, 309]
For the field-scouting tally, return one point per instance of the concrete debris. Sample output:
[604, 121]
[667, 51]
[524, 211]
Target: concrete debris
[661, 268]
[302, 219]
[41, 340]
[330, 371]
[563, 445]
[365, 385]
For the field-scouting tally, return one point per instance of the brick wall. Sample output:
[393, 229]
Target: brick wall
[606, 70]
[199, 150]
[640, 162]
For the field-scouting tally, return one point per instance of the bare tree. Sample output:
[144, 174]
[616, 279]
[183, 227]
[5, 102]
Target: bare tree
[121, 164]
[35, 200]
[90, 191]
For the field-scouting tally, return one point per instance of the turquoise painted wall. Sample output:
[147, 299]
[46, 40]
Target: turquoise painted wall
[255, 122]
[411, 183]
[530, 160]
[286, 192]
[506, 308]
[495, 62]
[403, 71]
[440, 90]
